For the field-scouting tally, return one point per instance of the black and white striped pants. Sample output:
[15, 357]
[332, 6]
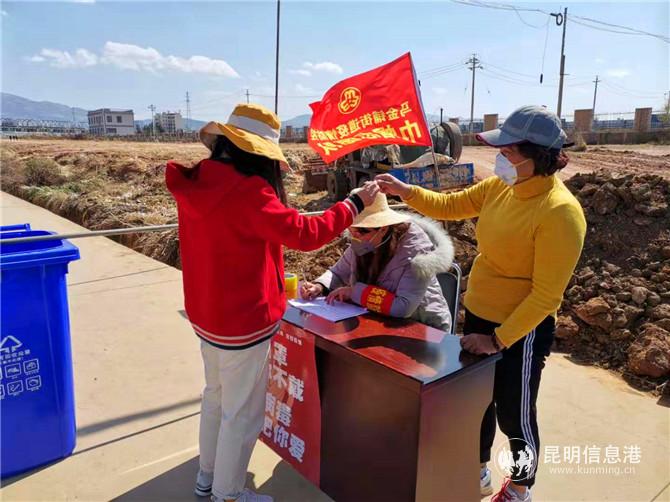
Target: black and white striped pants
[517, 380]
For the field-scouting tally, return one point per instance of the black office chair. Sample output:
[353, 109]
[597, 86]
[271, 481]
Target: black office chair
[450, 282]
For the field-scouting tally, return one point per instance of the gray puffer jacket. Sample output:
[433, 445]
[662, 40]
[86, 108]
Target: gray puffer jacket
[424, 251]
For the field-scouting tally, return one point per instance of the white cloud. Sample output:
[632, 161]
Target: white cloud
[134, 57]
[618, 72]
[304, 73]
[325, 66]
[63, 59]
[3, 12]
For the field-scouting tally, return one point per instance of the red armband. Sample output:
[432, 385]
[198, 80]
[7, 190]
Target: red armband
[377, 299]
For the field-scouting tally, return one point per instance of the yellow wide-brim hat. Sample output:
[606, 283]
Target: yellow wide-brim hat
[379, 214]
[252, 128]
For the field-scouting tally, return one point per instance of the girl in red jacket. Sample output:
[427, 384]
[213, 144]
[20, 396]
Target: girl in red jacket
[233, 222]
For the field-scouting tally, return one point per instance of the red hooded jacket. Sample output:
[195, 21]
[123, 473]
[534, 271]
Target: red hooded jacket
[231, 231]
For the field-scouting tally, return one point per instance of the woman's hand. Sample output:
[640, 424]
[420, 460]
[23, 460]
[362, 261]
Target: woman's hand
[309, 291]
[340, 294]
[368, 192]
[479, 344]
[391, 185]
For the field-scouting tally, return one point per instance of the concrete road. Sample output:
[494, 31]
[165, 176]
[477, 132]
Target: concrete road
[138, 378]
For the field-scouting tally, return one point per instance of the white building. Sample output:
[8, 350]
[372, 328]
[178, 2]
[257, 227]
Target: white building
[171, 122]
[111, 122]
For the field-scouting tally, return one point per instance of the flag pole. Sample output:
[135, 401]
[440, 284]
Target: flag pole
[432, 144]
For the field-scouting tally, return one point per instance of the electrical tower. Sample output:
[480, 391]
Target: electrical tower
[153, 120]
[188, 112]
[474, 65]
[561, 19]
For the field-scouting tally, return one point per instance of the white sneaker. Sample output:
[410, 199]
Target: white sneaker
[485, 486]
[248, 496]
[203, 483]
[507, 494]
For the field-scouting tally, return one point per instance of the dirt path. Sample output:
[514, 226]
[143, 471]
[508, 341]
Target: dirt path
[637, 159]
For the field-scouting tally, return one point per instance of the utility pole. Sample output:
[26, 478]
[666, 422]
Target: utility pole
[247, 96]
[474, 64]
[441, 109]
[153, 120]
[561, 19]
[277, 61]
[595, 93]
[188, 112]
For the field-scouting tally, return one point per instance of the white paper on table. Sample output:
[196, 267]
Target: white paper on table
[333, 313]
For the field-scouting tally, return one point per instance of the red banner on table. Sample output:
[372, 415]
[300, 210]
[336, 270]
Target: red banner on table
[292, 426]
[380, 106]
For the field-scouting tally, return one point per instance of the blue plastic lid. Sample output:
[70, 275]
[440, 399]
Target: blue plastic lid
[27, 254]
[14, 228]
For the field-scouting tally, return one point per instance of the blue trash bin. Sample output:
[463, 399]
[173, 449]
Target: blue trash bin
[36, 385]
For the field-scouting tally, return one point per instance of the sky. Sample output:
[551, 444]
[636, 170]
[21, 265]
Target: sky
[120, 54]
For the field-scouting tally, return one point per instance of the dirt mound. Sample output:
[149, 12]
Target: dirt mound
[616, 311]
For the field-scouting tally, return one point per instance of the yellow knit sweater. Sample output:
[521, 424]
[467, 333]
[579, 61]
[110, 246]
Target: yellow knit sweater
[529, 240]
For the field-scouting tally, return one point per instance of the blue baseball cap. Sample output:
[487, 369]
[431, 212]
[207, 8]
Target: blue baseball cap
[533, 124]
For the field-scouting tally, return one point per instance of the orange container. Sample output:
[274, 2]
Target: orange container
[291, 282]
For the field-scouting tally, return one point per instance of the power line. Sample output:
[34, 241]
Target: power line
[508, 71]
[544, 52]
[496, 5]
[441, 68]
[632, 31]
[625, 94]
[443, 73]
[634, 91]
[499, 70]
[583, 21]
[524, 83]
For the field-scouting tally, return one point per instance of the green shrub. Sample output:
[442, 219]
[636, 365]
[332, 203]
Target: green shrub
[41, 171]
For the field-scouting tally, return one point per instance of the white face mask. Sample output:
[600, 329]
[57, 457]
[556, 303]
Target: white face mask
[505, 170]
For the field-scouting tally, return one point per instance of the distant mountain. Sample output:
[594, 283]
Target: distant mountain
[16, 107]
[298, 122]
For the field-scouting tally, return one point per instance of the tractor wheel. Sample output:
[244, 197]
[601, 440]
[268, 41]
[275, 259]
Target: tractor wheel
[337, 185]
[453, 132]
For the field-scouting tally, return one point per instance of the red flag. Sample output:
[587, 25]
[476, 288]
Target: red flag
[380, 106]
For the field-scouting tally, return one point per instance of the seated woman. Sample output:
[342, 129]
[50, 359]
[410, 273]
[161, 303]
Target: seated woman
[390, 266]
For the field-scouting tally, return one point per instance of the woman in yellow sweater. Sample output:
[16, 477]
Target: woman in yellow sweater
[530, 235]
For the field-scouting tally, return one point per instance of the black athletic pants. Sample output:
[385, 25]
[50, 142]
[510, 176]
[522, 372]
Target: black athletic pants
[517, 380]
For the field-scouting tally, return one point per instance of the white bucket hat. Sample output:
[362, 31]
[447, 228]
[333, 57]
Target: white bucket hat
[378, 214]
